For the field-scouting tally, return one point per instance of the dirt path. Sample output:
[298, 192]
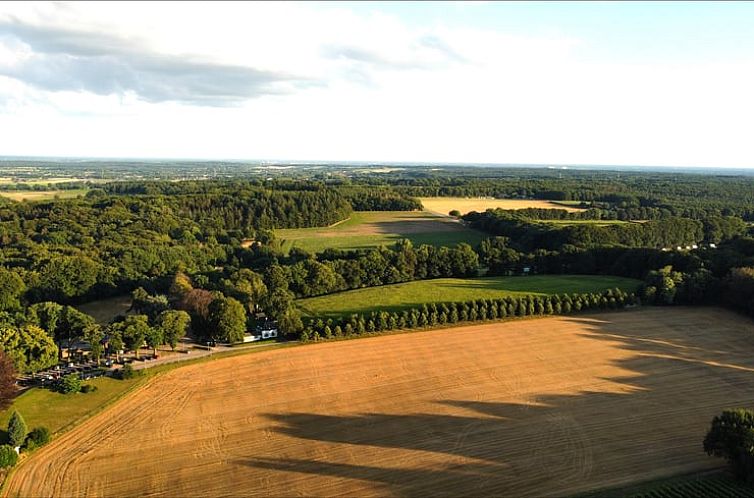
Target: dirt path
[533, 408]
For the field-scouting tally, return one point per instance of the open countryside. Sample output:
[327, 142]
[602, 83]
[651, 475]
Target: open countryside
[368, 229]
[402, 296]
[555, 406]
[444, 205]
[380, 249]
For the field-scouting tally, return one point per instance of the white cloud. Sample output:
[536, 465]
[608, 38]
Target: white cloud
[321, 82]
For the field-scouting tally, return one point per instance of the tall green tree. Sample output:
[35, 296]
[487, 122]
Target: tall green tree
[17, 429]
[135, 331]
[174, 325]
[227, 319]
[12, 288]
[66, 277]
[154, 338]
[731, 436]
[93, 334]
[30, 348]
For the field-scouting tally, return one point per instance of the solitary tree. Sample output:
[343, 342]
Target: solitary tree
[731, 436]
[17, 429]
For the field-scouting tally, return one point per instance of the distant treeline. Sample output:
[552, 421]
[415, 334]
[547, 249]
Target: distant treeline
[666, 232]
[683, 195]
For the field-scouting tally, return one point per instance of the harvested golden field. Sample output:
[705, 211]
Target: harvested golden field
[525, 408]
[444, 205]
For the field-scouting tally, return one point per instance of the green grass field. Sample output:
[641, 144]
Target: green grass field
[34, 195]
[375, 228]
[411, 294]
[43, 407]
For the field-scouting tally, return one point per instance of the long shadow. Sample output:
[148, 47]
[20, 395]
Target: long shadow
[646, 422]
[417, 226]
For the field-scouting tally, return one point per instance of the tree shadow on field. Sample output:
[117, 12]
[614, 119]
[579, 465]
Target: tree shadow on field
[678, 370]
[408, 226]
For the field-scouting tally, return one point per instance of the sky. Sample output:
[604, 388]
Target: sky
[611, 83]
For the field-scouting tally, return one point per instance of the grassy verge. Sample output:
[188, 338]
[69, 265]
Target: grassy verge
[398, 297]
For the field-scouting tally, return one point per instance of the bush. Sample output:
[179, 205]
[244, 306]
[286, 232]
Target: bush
[128, 372]
[8, 456]
[71, 383]
[39, 436]
[88, 388]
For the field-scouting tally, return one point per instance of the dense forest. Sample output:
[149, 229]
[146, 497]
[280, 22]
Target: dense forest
[200, 256]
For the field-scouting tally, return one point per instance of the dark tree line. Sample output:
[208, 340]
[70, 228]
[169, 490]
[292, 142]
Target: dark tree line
[438, 314]
[528, 235]
[402, 263]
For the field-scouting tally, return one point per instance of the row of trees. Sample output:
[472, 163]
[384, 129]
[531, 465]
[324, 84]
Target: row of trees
[383, 266]
[437, 314]
[529, 235]
[688, 196]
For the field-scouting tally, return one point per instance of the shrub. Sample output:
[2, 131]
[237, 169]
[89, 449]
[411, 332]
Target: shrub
[39, 436]
[128, 372]
[88, 388]
[71, 383]
[8, 456]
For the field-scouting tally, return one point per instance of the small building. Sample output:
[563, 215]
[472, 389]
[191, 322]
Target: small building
[266, 329]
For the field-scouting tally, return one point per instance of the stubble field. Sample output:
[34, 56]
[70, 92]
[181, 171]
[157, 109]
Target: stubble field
[526, 408]
[443, 205]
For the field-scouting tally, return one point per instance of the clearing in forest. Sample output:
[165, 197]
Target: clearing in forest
[396, 297]
[365, 229]
[444, 205]
[546, 407]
